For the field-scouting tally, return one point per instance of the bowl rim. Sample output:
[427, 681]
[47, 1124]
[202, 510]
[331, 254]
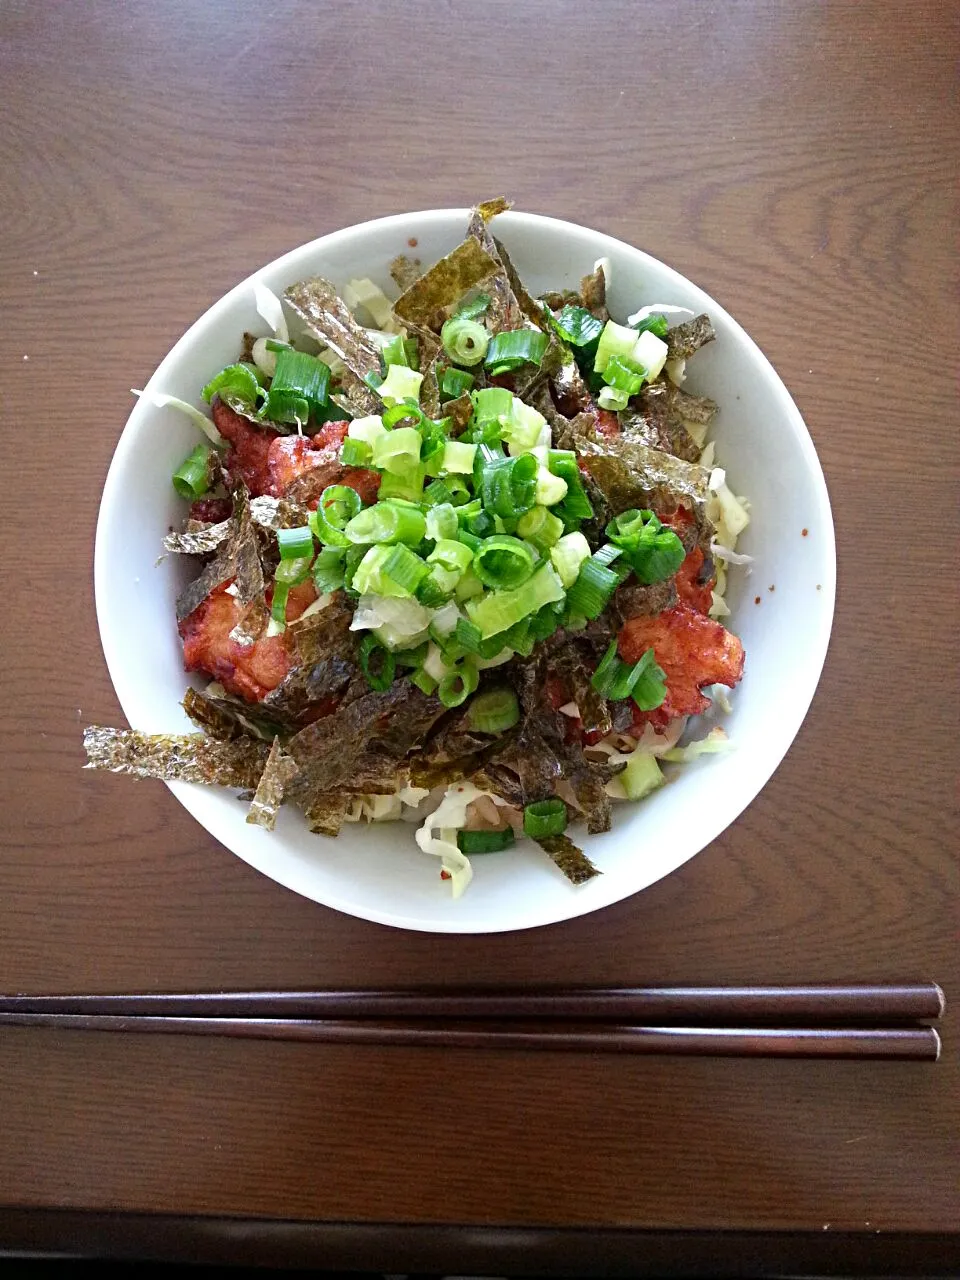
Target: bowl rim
[794, 716]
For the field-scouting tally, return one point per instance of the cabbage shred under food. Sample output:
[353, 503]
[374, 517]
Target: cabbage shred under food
[451, 540]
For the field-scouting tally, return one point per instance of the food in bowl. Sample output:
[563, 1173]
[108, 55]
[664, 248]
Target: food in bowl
[462, 559]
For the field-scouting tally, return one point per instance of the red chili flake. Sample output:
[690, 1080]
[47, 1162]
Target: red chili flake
[804, 532]
[756, 599]
[412, 242]
[445, 875]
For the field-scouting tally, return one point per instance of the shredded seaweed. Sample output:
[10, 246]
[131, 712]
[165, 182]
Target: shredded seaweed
[684, 339]
[635, 598]
[633, 475]
[225, 717]
[329, 318]
[327, 663]
[403, 271]
[198, 541]
[278, 772]
[570, 859]
[429, 298]
[192, 757]
[593, 293]
[238, 558]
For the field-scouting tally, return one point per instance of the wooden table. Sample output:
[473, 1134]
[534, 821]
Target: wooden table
[797, 160]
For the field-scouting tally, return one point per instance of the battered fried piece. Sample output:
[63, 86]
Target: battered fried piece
[246, 459]
[693, 651]
[249, 671]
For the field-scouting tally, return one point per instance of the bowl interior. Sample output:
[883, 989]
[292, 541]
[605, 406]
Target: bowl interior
[377, 872]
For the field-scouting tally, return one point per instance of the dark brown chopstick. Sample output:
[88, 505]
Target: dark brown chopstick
[917, 1043]
[858, 1005]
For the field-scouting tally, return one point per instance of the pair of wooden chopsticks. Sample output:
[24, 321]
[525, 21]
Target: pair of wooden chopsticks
[864, 1021]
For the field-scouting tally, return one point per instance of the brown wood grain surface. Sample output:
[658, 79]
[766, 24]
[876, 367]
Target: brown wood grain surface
[799, 161]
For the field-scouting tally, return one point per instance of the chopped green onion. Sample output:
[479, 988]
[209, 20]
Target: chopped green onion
[295, 543]
[294, 571]
[576, 505]
[612, 399]
[496, 611]
[387, 522]
[494, 711]
[508, 485]
[328, 570]
[407, 412]
[458, 457]
[285, 407]
[485, 841]
[405, 488]
[398, 451]
[605, 676]
[355, 453]
[437, 493]
[512, 348]
[278, 605]
[503, 562]
[568, 555]
[491, 404]
[545, 818]
[451, 554]
[378, 663]
[367, 429]
[389, 570]
[437, 588]
[469, 586]
[475, 307]
[607, 554]
[653, 551]
[193, 476]
[550, 489]
[650, 689]
[523, 426]
[470, 540]
[275, 345]
[615, 340]
[467, 635]
[423, 681]
[464, 340]
[540, 527]
[458, 490]
[303, 375]
[623, 375]
[457, 685]
[544, 623]
[650, 352]
[337, 507]
[395, 352]
[236, 385]
[521, 638]
[399, 385]
[591, 592]
[455, 383]
[479, 523]
[577, 326]
[352, 559]
[656, 324]
[411, 657]
[442, 521]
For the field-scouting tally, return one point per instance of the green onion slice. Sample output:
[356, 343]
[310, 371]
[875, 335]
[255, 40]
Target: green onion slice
[502, 562]
[378, 663]
[388, 522]
[328, 570]
[654, 552]
[464, 340]
[508, 486]
[237, 384]
[577, 326]
[494, 711]
[591, 592]
[355, 453]
[337, 507]
[485, 841]
[295, 543]
[455, 383]
[193, 476]
[457, 685]
[303, 375]
[515, 347]
[545, 818]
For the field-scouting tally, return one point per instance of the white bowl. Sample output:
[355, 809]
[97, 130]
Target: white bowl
[377, 872]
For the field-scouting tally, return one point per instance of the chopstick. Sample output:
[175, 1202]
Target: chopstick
[916, 1043]
[860, 1004]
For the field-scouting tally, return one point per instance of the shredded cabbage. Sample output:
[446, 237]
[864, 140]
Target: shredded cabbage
[270, 308]
[673, 315]
[714, 743]
[364, 293]
[163, 401]
[449, 817]
[732, 557]
[400, 622]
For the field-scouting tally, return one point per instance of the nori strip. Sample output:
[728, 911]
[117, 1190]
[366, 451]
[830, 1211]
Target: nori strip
[528, 305]
[327, 661]
[572, 393]
[174, 757]
[634, 598]
[571, 860]
[238, 558]
[278, 771]
[278, 513]
[361, 748]
[403, 271]
[572, 669]
[228, 718]
[593, 294]
[426, 302]
[633, 475]
[684, 339]
[658, 417]
[329, 318]
[460, 411]
[198, 541]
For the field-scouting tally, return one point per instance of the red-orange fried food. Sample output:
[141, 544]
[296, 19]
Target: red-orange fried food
[608, 424]
[249, 671]
[692, 587]
[246, 459]
[693, 651]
